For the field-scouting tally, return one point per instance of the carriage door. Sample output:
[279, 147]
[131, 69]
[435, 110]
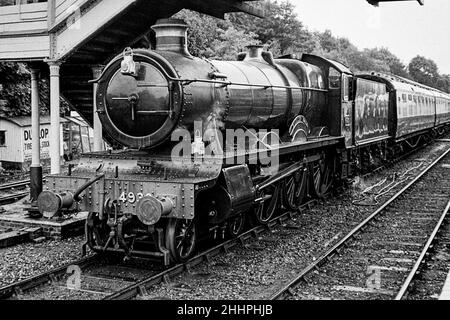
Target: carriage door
[347, 109]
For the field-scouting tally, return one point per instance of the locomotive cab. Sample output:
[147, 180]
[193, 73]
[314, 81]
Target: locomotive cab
[338, 113]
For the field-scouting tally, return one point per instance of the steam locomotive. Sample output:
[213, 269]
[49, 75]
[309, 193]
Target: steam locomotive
[212, 144]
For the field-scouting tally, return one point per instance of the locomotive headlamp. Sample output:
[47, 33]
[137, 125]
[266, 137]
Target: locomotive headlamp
[150, 210]
[128, 66]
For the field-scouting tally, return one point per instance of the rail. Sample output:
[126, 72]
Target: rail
[33, 282]
[287, 289]
[407, 284]
[14, 185]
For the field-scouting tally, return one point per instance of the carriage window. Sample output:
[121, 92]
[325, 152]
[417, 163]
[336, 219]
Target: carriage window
[4, 3]
[334, 79]
[404, 97]
[2, 138]
[410, 97]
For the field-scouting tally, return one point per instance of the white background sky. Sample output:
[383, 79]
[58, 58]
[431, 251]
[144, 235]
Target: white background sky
[405, 28]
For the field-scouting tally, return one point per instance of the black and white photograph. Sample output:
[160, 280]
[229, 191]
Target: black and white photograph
[224, 158]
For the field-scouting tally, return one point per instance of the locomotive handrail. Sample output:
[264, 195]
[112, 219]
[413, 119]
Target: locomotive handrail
[265, 86]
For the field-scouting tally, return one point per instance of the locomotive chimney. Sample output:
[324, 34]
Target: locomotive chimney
[171, 35]
[257, 53]
[254, 52]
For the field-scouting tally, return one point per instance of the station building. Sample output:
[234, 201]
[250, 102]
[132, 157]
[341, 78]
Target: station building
[76, 137]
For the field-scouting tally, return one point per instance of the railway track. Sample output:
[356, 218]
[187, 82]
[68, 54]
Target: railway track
[380, 258]
[90, 278]
[430, 278]
[15, 185]
[13, 191]
[142, 287]
[124, 280]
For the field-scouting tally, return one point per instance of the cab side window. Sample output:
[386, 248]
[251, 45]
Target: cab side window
[334, 79]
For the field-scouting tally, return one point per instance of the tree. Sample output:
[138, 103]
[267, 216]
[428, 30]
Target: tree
[424, 71]
[443, 83]
[214, 38]
[281, 28]
[15, 91]
[387, 58]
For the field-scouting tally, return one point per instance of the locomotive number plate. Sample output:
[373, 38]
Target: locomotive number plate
[131, 197]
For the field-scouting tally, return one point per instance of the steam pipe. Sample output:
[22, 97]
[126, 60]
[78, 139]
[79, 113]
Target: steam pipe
[76, 196]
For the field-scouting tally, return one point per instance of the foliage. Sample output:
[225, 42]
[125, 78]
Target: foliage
[15, 91]
[215, 38]
[424, 71]
[281, 28]
[443, 83]
[391, 61]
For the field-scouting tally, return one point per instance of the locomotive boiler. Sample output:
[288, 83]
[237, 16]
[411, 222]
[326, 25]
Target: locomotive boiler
[144, 95]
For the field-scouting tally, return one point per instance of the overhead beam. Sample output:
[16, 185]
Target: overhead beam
[249, 8]
[219, 7]
[376, 2]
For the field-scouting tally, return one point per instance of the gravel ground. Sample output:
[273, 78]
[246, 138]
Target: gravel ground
[254, 271]
[26, 260]
[260, 268]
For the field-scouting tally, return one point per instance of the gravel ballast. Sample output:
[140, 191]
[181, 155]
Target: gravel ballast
[30, 259]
